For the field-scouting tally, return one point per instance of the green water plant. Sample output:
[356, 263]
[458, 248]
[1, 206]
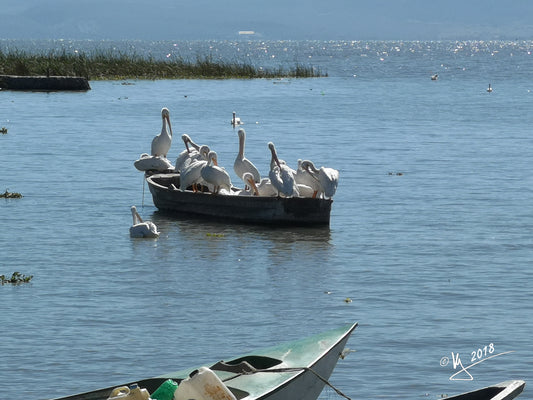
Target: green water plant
[9, 195]
[113, 65]
[214, 234]
[16, 279]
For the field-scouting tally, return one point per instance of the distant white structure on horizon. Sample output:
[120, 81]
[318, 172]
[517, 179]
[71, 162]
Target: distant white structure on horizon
[246, 32]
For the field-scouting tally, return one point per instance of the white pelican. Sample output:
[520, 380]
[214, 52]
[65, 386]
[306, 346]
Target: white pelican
[140, 228]
[304, 190]
[186, 155]
[215, 175]
[161, 143]
[242, 164]
[250, 189]
[148, 162]
[191, 174]
[236, 120]
[327, 177]
[489, 89]
[265, 188]
[305, 178]
[281, 175]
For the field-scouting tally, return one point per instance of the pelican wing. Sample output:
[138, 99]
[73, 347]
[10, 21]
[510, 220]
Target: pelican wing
[329, 180]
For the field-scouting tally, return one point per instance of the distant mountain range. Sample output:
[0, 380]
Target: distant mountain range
[272, 19]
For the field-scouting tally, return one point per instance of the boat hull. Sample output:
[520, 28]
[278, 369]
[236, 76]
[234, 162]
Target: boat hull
[296, 211]
[284, 372]
[507, 390]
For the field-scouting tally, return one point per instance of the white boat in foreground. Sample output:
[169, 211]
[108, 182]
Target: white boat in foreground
[296, 370]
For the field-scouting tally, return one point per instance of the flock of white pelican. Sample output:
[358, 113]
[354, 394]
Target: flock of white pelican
[198, 168]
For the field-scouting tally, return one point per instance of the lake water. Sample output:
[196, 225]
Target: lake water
[430, 235]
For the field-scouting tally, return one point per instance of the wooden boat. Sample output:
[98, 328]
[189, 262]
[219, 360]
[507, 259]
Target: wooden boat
[290, 371]
[297, 211]
[502, 391]
[44, 83]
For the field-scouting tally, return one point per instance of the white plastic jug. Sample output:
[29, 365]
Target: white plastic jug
[133, 392]
[204, 385]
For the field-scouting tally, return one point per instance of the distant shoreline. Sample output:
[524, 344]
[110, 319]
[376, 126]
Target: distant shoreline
[106, 65]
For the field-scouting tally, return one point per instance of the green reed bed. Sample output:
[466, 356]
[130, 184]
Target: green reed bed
[106, 65]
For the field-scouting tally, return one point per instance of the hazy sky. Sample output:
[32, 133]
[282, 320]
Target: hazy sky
[270, 19]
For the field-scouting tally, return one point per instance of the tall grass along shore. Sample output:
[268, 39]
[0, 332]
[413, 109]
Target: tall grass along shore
[108, 65]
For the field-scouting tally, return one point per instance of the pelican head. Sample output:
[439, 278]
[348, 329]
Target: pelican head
[165, 115]
[212, 157]
[204, 151]
[242, 139]
[186, 139]
[136, 217]
[249, 179]
[274, 154]
[308, 166]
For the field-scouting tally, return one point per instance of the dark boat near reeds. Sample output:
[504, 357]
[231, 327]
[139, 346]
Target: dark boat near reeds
[287, 211]
[296, 370]
[44, 83]
[502, 391]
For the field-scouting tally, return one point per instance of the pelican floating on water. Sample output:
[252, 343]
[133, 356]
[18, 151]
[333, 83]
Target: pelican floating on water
[236, 120]
[489, 89]
[434, 77]
[215, 175]
[161, 143]
[281, 175]
[140, 228]
[242, 164]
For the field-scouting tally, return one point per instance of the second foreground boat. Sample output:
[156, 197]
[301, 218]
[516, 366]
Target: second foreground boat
[502, 391]
[295, 370]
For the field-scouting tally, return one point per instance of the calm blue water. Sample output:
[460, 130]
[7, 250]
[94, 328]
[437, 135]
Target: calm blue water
[430, 230]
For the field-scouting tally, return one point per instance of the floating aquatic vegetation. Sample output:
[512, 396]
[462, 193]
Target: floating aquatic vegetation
[9, 195]
[16, 279]
[215, 234]
[3, 130]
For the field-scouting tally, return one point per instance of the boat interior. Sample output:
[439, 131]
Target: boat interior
[246, 364]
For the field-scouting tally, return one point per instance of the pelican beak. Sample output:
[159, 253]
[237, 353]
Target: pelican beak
[277, 161]
[215, 161]
[169, 124]
[275, 157]
[251, 182]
